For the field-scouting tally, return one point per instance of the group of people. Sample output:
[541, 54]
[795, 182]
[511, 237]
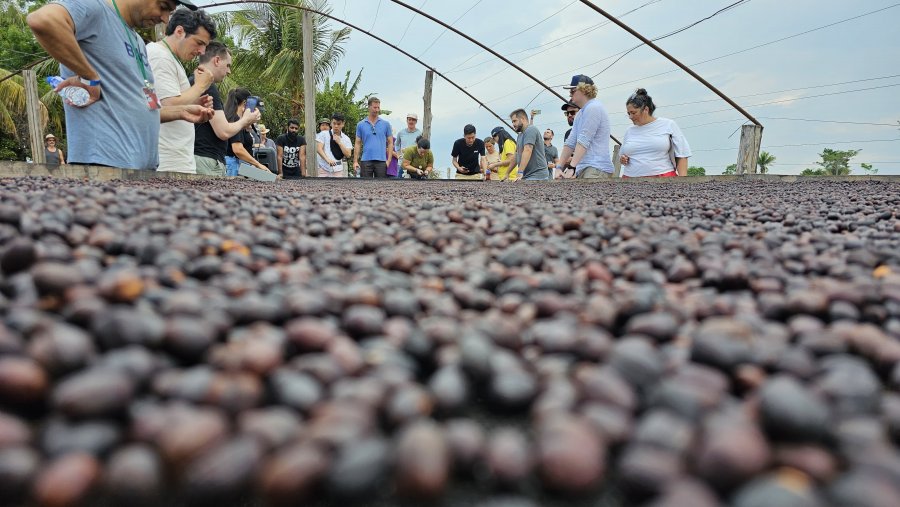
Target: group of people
[154, 116]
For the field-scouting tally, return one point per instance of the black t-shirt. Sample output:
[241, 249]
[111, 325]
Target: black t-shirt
[566, 137]
[206, 142]
[290, 154]
[244, 137]
[467, 156]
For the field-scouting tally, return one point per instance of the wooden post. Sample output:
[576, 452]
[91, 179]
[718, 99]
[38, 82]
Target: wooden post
[159, 31]
[426, 120]
[748, 154]
[616, 162]
[33, 112]
[309, 95]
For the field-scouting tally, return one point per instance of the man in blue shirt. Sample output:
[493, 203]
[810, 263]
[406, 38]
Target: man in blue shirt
[587, 149]
[374, 143]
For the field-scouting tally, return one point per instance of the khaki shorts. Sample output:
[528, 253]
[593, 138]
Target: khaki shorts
[209, 166]
[592, 173]
[469, 176]
[337, 174]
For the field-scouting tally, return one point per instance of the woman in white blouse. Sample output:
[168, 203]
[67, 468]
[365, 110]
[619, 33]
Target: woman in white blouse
[652, 147]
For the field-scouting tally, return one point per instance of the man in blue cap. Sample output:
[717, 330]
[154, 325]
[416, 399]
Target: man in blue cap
[587, 148]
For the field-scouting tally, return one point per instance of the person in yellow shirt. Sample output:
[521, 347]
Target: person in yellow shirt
[507, 147]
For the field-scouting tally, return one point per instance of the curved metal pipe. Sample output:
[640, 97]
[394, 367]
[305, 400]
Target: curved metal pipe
[370, 34]
[671, 59]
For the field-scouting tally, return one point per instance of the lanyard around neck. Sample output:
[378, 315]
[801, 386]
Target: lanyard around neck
[129, 33]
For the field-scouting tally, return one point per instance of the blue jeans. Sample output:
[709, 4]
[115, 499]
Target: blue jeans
[231, 166]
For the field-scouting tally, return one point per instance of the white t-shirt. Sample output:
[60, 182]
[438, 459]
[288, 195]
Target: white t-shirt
[647, 147]
[324, 138]
[176, 138]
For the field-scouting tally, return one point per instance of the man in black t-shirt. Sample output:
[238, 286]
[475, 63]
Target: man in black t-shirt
[211, 138]
[291, 152]
[468, 154]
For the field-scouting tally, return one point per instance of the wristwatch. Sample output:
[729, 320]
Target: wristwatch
[89, 82]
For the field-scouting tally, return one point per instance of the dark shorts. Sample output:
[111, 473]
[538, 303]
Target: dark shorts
[373, 169]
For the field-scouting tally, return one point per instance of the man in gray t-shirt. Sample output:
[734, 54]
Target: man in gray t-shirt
[530, 155]
[98, 50]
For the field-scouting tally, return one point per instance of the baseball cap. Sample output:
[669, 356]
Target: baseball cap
[187, 3]
[325, 121]
[414, 116]
[49, 136]
[495, 131]
[580, 78]
[567, 105]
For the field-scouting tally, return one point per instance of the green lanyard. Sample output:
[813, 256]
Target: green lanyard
[170, 49]
[137, 53]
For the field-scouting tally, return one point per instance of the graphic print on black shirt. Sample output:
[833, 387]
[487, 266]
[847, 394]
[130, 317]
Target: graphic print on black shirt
[290, 158]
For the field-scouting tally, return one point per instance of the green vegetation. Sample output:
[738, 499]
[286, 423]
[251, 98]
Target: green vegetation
[696, 171]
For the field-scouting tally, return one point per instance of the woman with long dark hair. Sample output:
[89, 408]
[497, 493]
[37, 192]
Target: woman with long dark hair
[240, 146]
[506, 145]
[652, 147]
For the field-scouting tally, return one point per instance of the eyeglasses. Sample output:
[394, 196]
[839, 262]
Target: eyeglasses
[373, 129]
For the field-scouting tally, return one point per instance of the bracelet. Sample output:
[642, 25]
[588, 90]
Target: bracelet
[89, 82]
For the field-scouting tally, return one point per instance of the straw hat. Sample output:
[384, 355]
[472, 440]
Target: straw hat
[263, 129]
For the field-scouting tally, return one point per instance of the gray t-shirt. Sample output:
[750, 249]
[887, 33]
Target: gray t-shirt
[537, 164]
[119, 130]
[550, 153]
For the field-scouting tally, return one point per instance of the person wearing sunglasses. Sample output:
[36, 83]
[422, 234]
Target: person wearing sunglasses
[374, 145]
[569, 111]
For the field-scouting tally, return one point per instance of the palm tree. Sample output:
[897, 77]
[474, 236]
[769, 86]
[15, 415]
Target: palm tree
[764, 161]
[273, 38]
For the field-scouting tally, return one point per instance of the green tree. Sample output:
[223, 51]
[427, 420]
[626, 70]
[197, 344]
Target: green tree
[271, 38]
[871, 171]
[836, 162]
[696, 171]
[813, 172]
[764, 161]
[730, 170]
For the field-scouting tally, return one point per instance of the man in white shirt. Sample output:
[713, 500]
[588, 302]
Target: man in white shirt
[187, 35]
[333, 149]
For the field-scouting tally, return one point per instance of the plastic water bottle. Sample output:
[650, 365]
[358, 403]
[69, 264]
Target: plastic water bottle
[76, 95]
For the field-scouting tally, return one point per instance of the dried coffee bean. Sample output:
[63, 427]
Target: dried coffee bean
[613, 424]
[637, 361]
[786, 487]
[467, 442]
[571, 457]
[423, 461]
[134, 475]
[222, 473]
[791, 413]
[293, 474]
[508, 457]
[120, 326]
[52, 279]
[188, 337]
[19, 255]
[273, 428]
[18, 467]
[188, 433]
[361, 321]
[686, 492]
[359, 469]
[450, 390]
[407, 403]
[13, 431]
[643, 472]
[605, 385]
[22, 381]
[93, 393]
[61, 348]
[94, 437]
[731, 452]
[66, 481]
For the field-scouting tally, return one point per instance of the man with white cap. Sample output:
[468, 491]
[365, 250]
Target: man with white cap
[406, 138]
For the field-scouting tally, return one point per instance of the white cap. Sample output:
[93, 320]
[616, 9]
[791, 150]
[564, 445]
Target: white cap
[414, 116]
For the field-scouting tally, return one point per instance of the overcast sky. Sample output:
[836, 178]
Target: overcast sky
[570, 39]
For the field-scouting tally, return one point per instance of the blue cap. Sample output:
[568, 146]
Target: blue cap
[580, 78]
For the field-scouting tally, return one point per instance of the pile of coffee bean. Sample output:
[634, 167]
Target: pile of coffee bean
[441, 343]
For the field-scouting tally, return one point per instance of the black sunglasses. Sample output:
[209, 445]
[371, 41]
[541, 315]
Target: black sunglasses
[570, 113]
